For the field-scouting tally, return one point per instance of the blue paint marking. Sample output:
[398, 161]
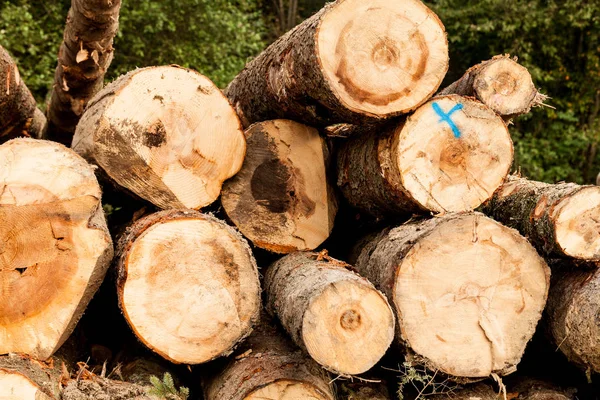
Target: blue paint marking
[446, 117]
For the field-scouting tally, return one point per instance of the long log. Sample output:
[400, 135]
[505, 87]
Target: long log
[166, 134]
[559, 219]
[19, 115]
[56, 247]
[188, 285]
[500, 83]
[268, 366]
[467, 291]
[449, 156]
[343, 322]
[281, 199]
[354, 61]
[572, 315]
[83, 59]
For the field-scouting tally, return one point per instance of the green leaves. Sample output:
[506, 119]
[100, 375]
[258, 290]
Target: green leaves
[166, 389]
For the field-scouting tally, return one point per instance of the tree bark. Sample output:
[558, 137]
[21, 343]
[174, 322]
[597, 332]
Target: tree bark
[166, 134]
[267, 366]
[25, 378]
[281, 199]
[525, 389]
[343, 322]
[188, 285]
[83, 59]
[561, 219]
[425, 163]
[19, 115]
[467, 291]
[571, 315]
[501, 84]
[353, 61]
[56, 246]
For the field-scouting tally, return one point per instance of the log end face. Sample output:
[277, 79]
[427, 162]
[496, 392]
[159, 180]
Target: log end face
[382, 58]
[348, 327]
[577, 224]
[15, 386]
[452, 154]
[285, 389]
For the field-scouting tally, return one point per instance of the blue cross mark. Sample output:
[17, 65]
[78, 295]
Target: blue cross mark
[446, 117]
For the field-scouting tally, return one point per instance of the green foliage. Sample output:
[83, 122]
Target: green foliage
[166, 389]
[422, 381]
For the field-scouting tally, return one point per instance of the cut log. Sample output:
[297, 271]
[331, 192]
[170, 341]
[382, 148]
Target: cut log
[19, 115]
[56, 246]
[188, 285]
[478, 391]
[83, 59]
[23, 378]
[343, 322]
[467, 291]
[572, 315]
[167, 134]
[354, 61]
[449, 156]
[267, 366]
[526, 389]
[281, 199]
[501, 84]
[561, 219]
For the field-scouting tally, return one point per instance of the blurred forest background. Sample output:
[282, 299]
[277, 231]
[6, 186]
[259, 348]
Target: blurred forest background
[558, 40]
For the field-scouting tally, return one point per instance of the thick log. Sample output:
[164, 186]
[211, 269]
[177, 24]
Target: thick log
[354, 61]
[449, 156]
[19, 115]
[343, 322]
[83, 59]
[281, 199]
[267, 366]
[188, 285]
[561, 219]
[56, 246]
[572, 315]
[467, 291]
[166, 134]
[501, 84]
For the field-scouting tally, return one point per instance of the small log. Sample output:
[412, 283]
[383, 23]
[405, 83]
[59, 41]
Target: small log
[281, 199]
[354, 61]
[24, 378]
[561, 219]
[19, 115]
[467, 291]
[83, 59]
[338, 317]
[449, 156]
[188, 285]
[479, 391]
[501, 84]
[56, 247]
[525, 389]
[267, 366]
[572, 315]
[166, 134]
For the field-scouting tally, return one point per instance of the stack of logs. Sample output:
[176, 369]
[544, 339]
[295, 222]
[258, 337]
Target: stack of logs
[348, 103]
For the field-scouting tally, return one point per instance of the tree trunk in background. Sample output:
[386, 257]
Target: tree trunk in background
[449, 156]
[166, 134]
[188, 285]
[467, 291]
[19, 115]
[342, 321]
[83, 59]
[501, 84]
[559, 219]
[281, 199]
[330, 69]
[56, 246]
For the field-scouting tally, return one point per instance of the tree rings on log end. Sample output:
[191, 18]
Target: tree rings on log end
[287, 390]
[14, 386]
[381, 57]
[188, 285]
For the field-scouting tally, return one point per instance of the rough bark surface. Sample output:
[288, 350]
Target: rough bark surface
[83, 59]
[467, 291]
[559, 219]
[44, 376]
[345, 65]
[265, 359]
[19, 115]
[343, 322]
